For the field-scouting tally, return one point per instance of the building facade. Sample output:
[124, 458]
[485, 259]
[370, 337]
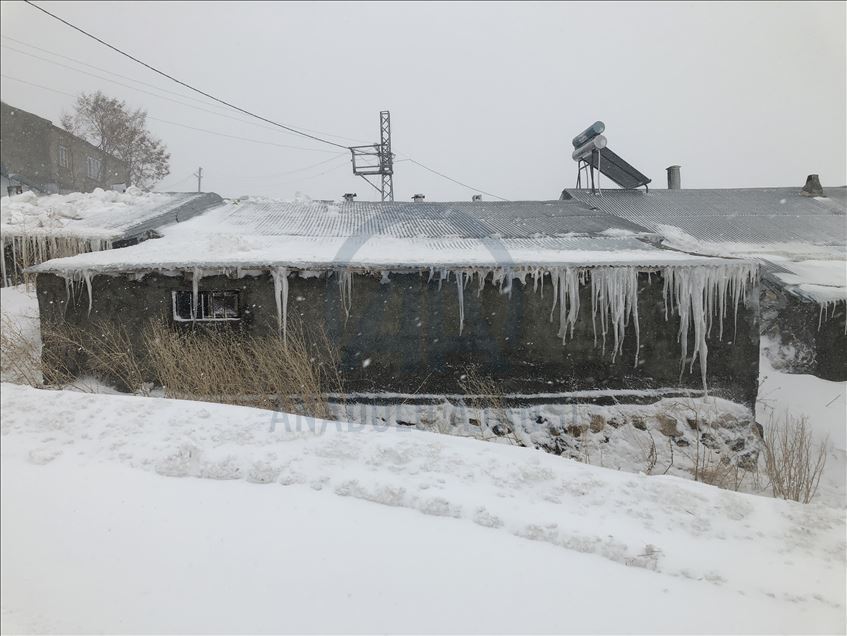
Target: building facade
[36, 155]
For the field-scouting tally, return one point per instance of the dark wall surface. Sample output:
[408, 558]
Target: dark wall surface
[408, 331]
[808, 339]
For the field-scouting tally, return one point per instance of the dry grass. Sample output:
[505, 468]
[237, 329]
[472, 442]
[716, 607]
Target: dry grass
[223, 365]
[482, 391]
[793, 461]
[212, 364]
[486, 394]
[20, 354]
[103, 348]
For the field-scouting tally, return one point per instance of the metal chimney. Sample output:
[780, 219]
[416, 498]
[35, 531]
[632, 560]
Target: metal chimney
[350, 196]
[813, 187]
[417, 198]
[674, 180]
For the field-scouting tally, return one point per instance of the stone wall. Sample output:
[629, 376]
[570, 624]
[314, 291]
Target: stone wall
[801, 336]
[403, 335]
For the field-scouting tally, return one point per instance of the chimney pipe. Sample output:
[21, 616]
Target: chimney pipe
[813, 187]
[476, 197]
[417, 198]
[674, 180]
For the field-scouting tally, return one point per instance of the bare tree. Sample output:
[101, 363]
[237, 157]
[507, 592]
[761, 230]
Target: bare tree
[120, 132]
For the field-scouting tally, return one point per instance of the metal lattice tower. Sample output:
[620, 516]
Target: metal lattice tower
[386, 158]
[377, 159]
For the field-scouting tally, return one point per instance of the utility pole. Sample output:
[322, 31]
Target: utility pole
[377, 159]
[199, 175]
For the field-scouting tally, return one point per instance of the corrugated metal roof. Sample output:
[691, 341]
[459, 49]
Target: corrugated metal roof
[752, 215]
[98, 217]
[136, 220]
[519, 219]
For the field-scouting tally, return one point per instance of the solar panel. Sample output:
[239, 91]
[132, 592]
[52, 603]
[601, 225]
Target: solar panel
[618, 170]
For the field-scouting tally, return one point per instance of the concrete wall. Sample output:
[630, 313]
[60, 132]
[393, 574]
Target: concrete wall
[29, 147]
[409, 330]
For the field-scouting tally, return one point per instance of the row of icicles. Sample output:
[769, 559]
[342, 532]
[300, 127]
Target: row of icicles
[697, 294]
[27, 250]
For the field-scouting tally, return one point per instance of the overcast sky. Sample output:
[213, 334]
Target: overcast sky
[488, 93]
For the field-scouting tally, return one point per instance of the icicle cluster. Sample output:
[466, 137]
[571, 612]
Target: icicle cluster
[280, 277]
[28, 250]
[700, 295]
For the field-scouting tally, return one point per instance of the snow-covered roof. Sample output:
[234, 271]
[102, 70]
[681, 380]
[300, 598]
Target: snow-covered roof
[462, 219]
[764, 217]
[100, 215]
[261, 233]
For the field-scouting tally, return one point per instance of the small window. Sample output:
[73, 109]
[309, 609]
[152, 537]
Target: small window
[93, 168]
[64, 159]
[211, 305]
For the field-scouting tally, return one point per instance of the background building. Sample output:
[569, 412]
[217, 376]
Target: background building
[36, 155]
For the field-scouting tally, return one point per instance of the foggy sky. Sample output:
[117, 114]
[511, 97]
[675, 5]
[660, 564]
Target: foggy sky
[740, 95]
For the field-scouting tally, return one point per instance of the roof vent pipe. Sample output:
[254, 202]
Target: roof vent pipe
[350, 196]
[417, 198]
[476, 197]
[674, 180]
[813, 187]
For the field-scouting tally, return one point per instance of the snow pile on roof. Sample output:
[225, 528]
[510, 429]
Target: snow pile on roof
[372, 517]
[98, 214]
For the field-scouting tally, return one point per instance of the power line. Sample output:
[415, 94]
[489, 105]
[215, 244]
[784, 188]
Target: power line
[170, 77]
[287, 172]
[173, 184]
[159, 88]
[173, 123]
[254, 141]
[141, 90]
[464, 185]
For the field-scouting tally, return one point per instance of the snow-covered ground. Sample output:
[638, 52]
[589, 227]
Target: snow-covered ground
[128, 514]
[280, 525]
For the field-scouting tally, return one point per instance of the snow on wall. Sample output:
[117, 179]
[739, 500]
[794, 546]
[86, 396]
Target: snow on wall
[701, 296]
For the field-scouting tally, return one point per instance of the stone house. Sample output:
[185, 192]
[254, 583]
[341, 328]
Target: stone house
[553, 298]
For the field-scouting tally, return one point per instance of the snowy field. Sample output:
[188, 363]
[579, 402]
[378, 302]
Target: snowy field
[124, 513]
[132, 514]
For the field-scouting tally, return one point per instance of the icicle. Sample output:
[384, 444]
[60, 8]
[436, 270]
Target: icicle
[482, 276]
[345, 286]
[86, 276]
[614, 295]
[195, 290]
[280, 278]
[554, 277]
[461, 288]
[3, 263]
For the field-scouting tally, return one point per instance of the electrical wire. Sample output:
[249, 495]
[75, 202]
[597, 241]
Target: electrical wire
[141, 90]
[173, 123]
[180, 82]
[159, 88]
[464, 185]
[173, 184]
[287, 172]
